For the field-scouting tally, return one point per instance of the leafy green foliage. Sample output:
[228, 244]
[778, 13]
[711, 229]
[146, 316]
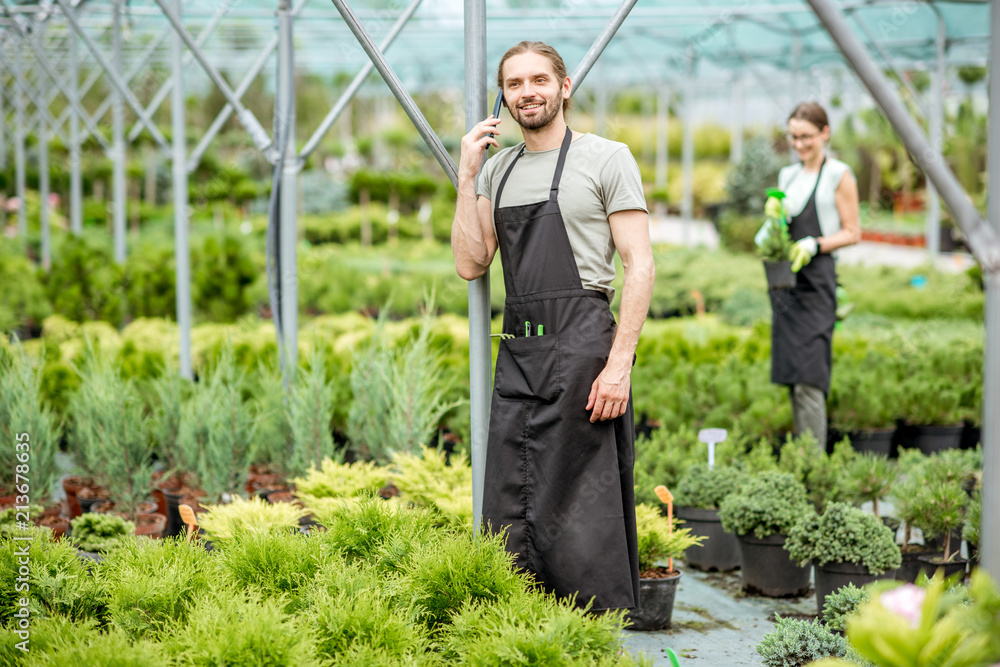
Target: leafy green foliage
[29, 430]
[973, 520]
[778, 243]
[457, 570]
[766, 504]
[100, 532]
[822, 474]
[276, 565]
[660, 538]
[870, 477]
[841, 605]
[84, 283]
[428, 481]
[310, 412]
[399, 392]
[843, 534]
[704, 488]
[334, 479]
[23, 301]
[756, 171]
[792, 643]
[111, 649]
[221, 273]
[940, 509]
[151, 584]
[110, 431]
[223, 522]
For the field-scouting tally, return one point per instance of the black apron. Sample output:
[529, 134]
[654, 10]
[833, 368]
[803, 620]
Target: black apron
[803, 317]
[560, 486]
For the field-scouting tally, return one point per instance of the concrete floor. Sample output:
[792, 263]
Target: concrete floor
[714, 624]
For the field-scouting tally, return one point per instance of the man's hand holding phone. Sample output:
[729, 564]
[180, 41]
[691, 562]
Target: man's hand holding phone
[478, 140]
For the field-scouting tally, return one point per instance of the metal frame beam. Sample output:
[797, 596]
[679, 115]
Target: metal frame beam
[113, 76]
[602, 41]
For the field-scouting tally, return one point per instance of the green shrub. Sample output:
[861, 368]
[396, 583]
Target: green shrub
[334, 479]
[941, 509]
[757, 170]
[704, 488]
[870, 476]
[276, 565]
[223, 522]
[658, 539]
[84, 283]
[537, 629]
[428, 481]
[23, 301]
[843, 534]
[274, 430]
[151, 584]
[766, 504]
[28, 428]
[240, 630]
[736, 232]
[443, 577]
[310, 412]
[973, 520]
[221, 273]
[100, 532]
[58, 581]
[793, 643]
[48, 635]
[841, 605]
[380, 534]
[110, 649]
[368, 620]
[822, 474]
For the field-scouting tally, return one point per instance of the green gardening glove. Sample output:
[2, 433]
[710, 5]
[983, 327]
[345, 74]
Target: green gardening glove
[802, 252]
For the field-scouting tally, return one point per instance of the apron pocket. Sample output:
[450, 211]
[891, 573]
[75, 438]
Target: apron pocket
[528, 368]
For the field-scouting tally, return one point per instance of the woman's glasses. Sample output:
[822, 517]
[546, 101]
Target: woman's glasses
[801, 138]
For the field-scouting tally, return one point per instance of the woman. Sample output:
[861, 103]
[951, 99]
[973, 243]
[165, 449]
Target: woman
[821, 201]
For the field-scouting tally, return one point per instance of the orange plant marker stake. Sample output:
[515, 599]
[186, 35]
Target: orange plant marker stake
[663, 493]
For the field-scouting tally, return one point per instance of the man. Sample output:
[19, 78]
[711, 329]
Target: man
[561, 445]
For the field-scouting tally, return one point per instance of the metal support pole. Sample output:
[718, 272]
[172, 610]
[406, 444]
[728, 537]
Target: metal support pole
[75, 179]
[662, 143]
[118, 156]
[989, 543]
[687, 156]
[257, 132]
[736, 129]
[355, 84]
[602, 41]
[402, 96]
[480, 353]
[933, 222]
[983, 240]
[19, 177]
[43, 194]
[182, 251]
[113, 74]
[285, 116]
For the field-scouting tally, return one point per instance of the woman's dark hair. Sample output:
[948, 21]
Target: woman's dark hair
[540, 48]
[811, 112]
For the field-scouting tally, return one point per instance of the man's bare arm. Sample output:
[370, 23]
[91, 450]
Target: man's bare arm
[610, 391]
[473, 241]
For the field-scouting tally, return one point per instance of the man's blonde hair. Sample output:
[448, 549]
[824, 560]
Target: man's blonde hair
[543, 49]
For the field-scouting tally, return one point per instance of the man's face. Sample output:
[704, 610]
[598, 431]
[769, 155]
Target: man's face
[533, 93]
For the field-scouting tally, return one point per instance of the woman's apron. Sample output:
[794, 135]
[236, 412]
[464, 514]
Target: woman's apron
[803, 317]
[560, 486]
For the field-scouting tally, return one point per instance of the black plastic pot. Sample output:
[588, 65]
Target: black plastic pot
[656, 604]
[87, 504]
[767, 569]
[930, 439]
[779, 275]
[911, 566]
[720, 552]
[833, 576]
[955, 566]
[175, 525]
[877, 441]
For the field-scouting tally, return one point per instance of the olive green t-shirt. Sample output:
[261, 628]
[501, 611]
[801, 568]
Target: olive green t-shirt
[600, 178]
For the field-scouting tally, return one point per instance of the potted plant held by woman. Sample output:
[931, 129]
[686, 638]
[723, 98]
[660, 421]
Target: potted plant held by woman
[845, 545]
[699, 493]
[659, 540]
[774, 243]
[761, 514]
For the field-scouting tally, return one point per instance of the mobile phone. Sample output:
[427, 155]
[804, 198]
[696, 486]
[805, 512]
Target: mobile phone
[496, 106]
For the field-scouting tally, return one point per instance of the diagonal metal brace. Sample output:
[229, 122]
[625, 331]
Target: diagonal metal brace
[396, 86]
[43, 61]
[31, 96]
[597, 48]
[983, 240]
[116, 81]
[257, 132]
[355, 85]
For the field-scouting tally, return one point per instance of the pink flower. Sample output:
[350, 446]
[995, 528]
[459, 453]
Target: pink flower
[907, 601]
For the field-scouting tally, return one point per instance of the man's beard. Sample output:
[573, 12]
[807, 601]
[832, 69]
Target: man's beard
[541, 119]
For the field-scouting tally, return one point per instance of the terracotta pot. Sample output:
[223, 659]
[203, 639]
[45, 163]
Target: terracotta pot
[108, 507]
[72, 485]
[7, 501]
[57, 524]
[150, 525]
[90, 496]
[282, 497]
